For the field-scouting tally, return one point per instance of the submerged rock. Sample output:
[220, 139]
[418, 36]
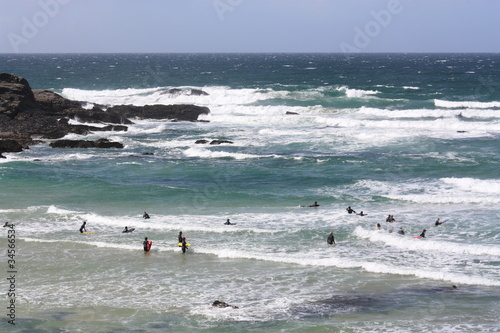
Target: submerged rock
[220, 304]
[100, 143]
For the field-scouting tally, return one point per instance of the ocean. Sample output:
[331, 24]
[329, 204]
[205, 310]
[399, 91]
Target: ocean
[410, 135]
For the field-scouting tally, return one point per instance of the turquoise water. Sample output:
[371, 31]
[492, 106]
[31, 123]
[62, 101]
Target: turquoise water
[415, 136]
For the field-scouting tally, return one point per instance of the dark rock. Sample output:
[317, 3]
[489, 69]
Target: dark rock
[15, 95]
[220, 304]
[100, 143]
[197, 92]
[23, 140]
[201, 141]
[96, 115]
[185, 112]
[54, 103]
[10, 146]
[188, 92]
[218, 142]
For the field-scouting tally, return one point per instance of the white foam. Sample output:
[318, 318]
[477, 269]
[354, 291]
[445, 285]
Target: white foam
[466, 104]
[343, 262]
[403, 242]
[444, 190]
[55, 210]
[357, 93]
[207, 153]
[488, 186]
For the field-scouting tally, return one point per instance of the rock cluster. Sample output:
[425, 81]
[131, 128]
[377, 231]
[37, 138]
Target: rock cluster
[26, 114]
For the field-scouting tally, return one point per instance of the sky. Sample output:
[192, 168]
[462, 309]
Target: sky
[224, 26]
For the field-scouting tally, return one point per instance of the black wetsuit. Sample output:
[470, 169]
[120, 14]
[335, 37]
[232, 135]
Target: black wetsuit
[184, 246]
[331, 239]
[82, 228]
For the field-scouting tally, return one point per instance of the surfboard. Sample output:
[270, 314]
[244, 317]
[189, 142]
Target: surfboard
[187, 244]
[88, 232]
[418, 237]
[129, 230]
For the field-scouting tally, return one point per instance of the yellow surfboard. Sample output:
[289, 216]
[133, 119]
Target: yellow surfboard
[187, 244]
[89, 232]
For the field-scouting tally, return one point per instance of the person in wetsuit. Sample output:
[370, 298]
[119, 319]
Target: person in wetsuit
[147, 244]
[423, 233]
[184, 245]
[83, 227]
[331, 239]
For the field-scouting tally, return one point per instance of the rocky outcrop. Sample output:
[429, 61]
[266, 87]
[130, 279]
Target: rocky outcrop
[100, 143]
[27, 113]
[15, 95]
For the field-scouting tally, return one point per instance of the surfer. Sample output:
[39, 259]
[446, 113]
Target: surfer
[83, 227]
[438, 222]
[315, 204]
[180, 237]
[227, 222]
[401, 231]
[128, 230]
[331, 239]
[184, 245]
[145, 215]
[423, 233]
[390, 218]
[147, 244]
[362, 214]
[378, 226]
[8, 224]
[350, 210]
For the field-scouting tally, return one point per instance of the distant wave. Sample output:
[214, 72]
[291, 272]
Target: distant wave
[444, 190]
[405, 243]
[341, 262]
[466, 104]
[206, 153]
[357, 93]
